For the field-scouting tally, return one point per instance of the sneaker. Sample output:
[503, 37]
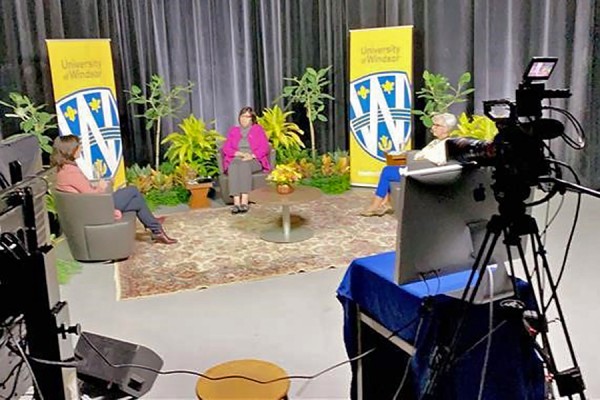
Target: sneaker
[244, 208]
[235, 210]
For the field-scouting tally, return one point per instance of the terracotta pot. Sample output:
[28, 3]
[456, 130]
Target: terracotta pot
[284, 189]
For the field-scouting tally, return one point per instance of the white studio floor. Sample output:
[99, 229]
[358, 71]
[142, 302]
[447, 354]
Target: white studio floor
[296, 321]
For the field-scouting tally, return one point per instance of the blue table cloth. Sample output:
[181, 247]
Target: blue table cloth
[514, 370]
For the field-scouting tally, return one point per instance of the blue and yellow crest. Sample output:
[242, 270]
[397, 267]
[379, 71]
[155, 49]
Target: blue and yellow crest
[92, 115]
[380, 118]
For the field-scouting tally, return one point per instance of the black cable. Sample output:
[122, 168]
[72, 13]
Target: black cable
[551, 220]
[289, 377]
[16, 382]
[408, 361]
[578, 128]
[571, 235]
[24, 357]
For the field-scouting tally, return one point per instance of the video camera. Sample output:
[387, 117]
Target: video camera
[518, 154]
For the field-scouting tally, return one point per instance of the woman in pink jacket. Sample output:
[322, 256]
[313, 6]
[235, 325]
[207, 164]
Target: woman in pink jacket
[246, 150]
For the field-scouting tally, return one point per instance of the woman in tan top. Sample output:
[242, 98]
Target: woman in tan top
[69, 178]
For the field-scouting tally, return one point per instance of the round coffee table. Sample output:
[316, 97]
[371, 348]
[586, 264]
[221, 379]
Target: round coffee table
[238, 388]
[286, 234]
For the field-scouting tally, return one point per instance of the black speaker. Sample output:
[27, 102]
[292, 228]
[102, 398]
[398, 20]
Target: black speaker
[130, 380]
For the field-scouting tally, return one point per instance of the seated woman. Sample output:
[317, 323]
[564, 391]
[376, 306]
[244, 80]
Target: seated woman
[246, 150]
[443, 125]
[69, 178]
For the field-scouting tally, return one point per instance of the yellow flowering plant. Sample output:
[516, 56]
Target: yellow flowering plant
[284, 174]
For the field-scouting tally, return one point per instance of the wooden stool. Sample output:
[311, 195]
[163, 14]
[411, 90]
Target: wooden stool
[237, 388]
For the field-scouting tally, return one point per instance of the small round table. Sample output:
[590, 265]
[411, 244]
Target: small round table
[286, 234]
[237, 388]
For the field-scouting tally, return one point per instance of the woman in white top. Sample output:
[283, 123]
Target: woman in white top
[435, 151]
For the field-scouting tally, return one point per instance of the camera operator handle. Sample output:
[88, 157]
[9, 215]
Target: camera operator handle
[557, 94]
[573, 187]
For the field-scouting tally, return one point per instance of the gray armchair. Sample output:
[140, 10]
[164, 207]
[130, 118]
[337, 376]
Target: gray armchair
[92, 233]
[259, 179]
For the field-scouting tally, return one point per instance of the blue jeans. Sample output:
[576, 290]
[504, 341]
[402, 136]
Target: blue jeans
[130, 199]
[388, 175]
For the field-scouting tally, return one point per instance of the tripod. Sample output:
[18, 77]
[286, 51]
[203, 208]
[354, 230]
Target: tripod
[514, 223]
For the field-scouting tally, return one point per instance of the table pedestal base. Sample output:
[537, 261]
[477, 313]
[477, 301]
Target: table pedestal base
[286, 234]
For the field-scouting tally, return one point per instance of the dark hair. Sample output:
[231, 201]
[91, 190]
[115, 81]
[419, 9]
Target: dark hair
[63, 150]
[247, 110]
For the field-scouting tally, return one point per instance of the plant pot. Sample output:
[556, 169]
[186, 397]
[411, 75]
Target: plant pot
[284, 189]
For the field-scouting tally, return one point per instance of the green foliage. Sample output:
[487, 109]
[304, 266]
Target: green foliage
[334, 184]
[283, 135]
[34, 121]
[308, 91]
[172, 197]
[65, 269]
[158, 103]
[478, 127]
[196, 146]
[439, 95]
[50, 203]
[330, 172]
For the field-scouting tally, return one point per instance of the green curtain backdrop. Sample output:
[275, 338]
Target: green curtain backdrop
[238, 52]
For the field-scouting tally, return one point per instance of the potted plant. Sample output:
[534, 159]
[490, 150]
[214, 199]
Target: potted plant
[283, 135]
[439, 95]
[308, 91]
[158, 103]
[194, 152]
[196, 146]
[284, 177]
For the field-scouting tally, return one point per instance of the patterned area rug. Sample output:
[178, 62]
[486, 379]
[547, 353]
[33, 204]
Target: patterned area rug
[216, 247]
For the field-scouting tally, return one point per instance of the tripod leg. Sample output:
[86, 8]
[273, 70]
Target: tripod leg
[573, 381]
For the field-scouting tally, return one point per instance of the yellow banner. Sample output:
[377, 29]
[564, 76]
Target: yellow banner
[86, 105]
[380, 98]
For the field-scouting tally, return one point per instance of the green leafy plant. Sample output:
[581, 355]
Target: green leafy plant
[34, 121]
[163, 187]
[308, 91]
[330, 172]
[283, 135]
[196, 146]
[158, 103]
[172, 197]
[439, 95]
[477, 126]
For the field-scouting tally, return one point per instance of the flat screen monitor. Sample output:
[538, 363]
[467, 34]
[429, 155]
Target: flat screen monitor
[540, 68]
[20, 158]
[443, 214]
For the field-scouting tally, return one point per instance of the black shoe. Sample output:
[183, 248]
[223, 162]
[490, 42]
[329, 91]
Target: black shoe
[235, 210]
[244, 208]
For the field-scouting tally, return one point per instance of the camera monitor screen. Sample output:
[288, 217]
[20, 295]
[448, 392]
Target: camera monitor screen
[540, 68]
[442, 223]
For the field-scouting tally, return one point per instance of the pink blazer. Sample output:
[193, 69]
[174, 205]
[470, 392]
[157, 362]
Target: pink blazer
[259, 144]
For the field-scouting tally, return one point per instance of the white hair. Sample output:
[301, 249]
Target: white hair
[447, 119]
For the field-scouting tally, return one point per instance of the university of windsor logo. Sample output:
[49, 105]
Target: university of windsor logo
[92, 115]
[380, 107]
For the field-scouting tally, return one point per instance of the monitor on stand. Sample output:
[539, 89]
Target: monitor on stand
[442, 219]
